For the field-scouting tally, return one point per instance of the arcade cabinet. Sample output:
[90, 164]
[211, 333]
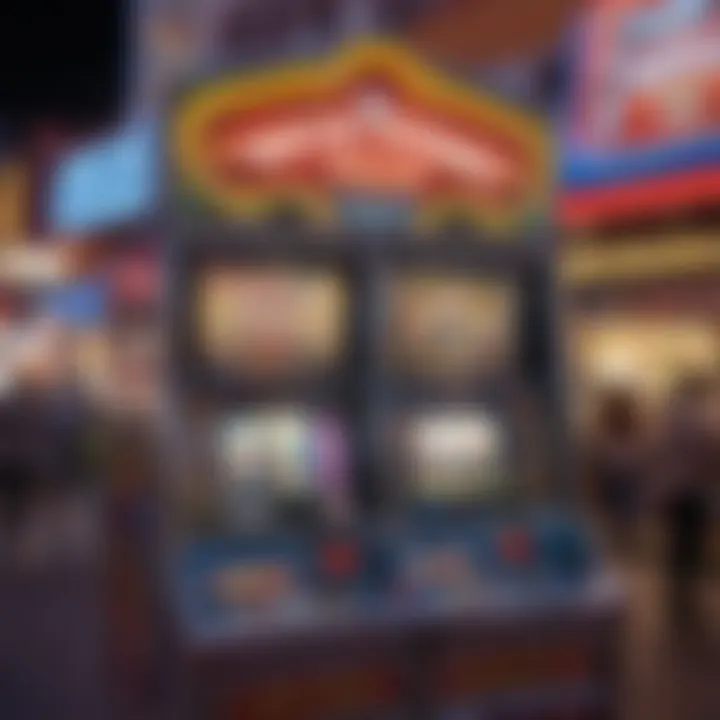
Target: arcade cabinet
[367, 484]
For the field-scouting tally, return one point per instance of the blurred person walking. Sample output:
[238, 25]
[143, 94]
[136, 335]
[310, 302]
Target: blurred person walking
[686, 494]
[18, 479]
[43, 424]
[71, 424]
[618, 466]
[24, 460]
[136, 637]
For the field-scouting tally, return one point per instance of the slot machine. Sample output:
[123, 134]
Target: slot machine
[364, 428]
[273, 553]
[505, 586]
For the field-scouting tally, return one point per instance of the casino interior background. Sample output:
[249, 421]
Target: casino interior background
[634, 246]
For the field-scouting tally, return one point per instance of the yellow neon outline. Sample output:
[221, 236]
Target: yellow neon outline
[318, 78]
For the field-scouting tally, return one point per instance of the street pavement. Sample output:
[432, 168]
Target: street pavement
[52, 660]
[670, 673]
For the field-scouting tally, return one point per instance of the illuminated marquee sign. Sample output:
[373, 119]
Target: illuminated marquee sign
[373, 122]
[644, 131]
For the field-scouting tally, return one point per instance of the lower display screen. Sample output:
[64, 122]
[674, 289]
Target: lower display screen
[454, 456]
[278, 462]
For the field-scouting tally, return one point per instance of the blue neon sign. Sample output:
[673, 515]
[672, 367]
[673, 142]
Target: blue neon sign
[107, 182]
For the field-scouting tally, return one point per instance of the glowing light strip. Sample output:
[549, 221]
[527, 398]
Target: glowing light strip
[641, 259]
[644, 198]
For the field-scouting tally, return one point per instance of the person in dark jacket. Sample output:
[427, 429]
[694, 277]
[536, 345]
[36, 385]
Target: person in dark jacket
[24, 462]
[618, 466]
[18, 480]
[690, 472]
[42, 424]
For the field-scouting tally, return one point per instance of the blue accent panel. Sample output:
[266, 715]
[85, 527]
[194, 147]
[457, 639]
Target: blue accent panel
[200, 562]
[582, 169]
[82, 305]
[376, 213]
[107, 182]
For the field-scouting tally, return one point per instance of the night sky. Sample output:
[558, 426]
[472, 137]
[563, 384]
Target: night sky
[60, 60]
[65, 61]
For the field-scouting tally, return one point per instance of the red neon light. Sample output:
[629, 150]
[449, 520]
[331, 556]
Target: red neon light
[366, 139]
[632, 200]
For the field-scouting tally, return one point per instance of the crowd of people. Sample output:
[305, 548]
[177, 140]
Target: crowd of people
[60, 446]
[45, 446]
[663, 471]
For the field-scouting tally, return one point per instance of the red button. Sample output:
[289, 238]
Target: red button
[340, 559]
[516, 547]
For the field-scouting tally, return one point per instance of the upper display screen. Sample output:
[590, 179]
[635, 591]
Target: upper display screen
[271, 322]
[450, 328]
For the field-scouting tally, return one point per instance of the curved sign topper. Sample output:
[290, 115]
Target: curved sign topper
[372, 123]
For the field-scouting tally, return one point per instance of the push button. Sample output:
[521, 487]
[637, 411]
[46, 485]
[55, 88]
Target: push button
[516, 547]
[340, 560]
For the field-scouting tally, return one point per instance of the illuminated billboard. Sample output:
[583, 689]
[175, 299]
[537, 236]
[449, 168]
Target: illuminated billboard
[644, 126]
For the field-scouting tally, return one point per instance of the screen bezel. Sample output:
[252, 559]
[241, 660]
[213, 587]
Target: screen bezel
[202, 376]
